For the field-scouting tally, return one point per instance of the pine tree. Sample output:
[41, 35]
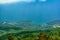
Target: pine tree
[42, 36]
[0, 38]
[19, 38]
[46, 37]
[50, 38]
[10, 37]
[56, 38]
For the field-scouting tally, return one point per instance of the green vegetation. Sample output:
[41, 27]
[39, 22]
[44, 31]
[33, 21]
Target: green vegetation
[28, 31]
[50, 34]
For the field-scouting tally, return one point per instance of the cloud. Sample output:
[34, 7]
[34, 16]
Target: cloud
[27, 0]
[43, 0]
[7, 1]
[12, 1]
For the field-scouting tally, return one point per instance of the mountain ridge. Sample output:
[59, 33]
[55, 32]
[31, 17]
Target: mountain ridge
[29, 25]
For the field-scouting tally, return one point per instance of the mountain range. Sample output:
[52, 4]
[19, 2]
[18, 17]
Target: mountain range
[25, 25]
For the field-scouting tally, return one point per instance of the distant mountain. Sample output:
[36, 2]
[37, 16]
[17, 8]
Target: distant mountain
[25, 25]
[9, 25]
[28, 25]
[55, 22]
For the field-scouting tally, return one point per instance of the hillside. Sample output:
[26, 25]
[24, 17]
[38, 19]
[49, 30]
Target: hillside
[55, 22]
[28, 25]
[26, 30]
[27, 35]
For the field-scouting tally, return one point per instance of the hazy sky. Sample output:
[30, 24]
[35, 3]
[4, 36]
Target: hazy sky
[43, 11]
[12, 1]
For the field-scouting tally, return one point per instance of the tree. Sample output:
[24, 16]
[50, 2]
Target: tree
[42, 36]
[10, 37]
[19, 38]
[0, 38]
[49, 38]
[56, 38]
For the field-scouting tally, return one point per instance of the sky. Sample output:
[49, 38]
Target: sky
[44, 11]
[13, 1]
[7, 1]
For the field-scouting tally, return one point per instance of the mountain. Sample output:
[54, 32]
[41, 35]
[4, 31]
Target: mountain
[28, 25]
[55, 22]
[9, 25]
[22, 25]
